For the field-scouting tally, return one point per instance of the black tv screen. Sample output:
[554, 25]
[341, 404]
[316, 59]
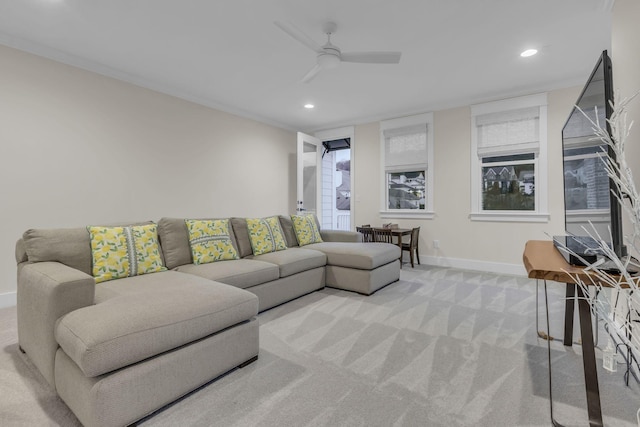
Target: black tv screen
[589, 198]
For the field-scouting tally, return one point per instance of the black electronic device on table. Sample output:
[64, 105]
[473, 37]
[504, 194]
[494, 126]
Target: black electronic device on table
[579, 250]
[585, 251]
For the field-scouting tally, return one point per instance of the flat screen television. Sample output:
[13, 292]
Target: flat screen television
[589, 194]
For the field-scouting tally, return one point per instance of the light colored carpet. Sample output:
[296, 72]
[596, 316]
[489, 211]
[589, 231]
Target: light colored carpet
[439, 347]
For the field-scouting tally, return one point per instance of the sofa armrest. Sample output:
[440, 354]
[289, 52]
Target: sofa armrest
[46, 292]
[340, 236]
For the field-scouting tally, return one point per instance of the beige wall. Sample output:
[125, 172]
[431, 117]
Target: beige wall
[78, 148]
[625, 39]
[474, 244]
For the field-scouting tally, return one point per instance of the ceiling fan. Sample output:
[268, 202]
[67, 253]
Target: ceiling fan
[330, 55]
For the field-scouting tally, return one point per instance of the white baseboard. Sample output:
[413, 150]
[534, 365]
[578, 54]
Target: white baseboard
[472, 264]
[7, 300]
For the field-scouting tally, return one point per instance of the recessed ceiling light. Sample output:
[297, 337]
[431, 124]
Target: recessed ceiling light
[309, 106]
[529, 52]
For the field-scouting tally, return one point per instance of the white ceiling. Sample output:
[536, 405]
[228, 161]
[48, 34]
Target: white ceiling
[228, 54]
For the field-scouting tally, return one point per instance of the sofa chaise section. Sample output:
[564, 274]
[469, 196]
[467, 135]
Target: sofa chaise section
[121, 349]
[140, 351]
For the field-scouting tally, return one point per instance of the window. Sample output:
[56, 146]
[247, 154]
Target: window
[508, 183]
[509, 160]
[407, 163]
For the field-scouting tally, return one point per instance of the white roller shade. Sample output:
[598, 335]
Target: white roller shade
[406, 147]
[509, 132]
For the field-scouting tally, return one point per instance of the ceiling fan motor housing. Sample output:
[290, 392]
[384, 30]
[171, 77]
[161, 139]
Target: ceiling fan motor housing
[329, 58]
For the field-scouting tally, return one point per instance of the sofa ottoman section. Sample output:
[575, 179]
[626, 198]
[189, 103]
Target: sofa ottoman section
[363, 282]
[128, 329]
[360, 267]
[363, 256]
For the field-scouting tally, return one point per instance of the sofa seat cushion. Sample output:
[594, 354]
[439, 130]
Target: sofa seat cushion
[292, 261]
[242, 273]
[363, 256]
[132, 327]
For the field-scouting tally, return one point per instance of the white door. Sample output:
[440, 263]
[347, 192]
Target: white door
[309, 168]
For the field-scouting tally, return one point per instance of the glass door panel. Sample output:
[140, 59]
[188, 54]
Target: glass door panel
[309, 161]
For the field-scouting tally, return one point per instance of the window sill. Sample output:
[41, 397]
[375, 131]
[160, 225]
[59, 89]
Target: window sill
[509, 216]
[408, 214]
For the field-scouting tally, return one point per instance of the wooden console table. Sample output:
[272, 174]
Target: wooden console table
[543, 261]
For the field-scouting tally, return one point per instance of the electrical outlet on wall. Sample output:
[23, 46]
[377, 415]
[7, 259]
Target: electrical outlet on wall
[436, 244]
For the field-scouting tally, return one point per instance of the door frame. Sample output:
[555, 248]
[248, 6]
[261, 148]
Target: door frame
[344, 132]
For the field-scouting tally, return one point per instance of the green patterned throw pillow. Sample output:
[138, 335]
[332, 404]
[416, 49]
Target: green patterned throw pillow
[210, 240]
[306, 229]
[265, 235]
[119, 252]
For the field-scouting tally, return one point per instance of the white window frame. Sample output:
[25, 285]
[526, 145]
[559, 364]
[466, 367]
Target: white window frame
[541, 213]
[399, 123]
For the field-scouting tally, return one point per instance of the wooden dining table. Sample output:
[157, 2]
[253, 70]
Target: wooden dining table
[398, 232]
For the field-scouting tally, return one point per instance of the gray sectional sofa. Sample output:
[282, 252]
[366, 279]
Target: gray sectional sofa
[119, 350]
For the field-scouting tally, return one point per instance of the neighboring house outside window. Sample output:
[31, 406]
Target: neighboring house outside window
[406, 146]
[509, 160]
[586, 182]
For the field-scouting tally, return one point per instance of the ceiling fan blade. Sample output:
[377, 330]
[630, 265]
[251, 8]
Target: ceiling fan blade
[372, 57]
[299, 36]
[311, 74]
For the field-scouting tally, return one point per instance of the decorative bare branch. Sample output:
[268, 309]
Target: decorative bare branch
[625, 295]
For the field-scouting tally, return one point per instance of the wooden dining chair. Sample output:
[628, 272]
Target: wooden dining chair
[383, 235]
[367, 234]
[412, 245]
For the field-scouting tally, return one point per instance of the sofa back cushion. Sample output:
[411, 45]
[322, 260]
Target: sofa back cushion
[21, 253]
[210, 240]
[265, 235]
[119, 252]
[69, 246]
[174, 241]
[288, 231]
[241, 232]
[239, 226]
[306, 229]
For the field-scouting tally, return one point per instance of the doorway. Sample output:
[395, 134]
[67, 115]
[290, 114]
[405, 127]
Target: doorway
[336, 184]
[326, 177]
